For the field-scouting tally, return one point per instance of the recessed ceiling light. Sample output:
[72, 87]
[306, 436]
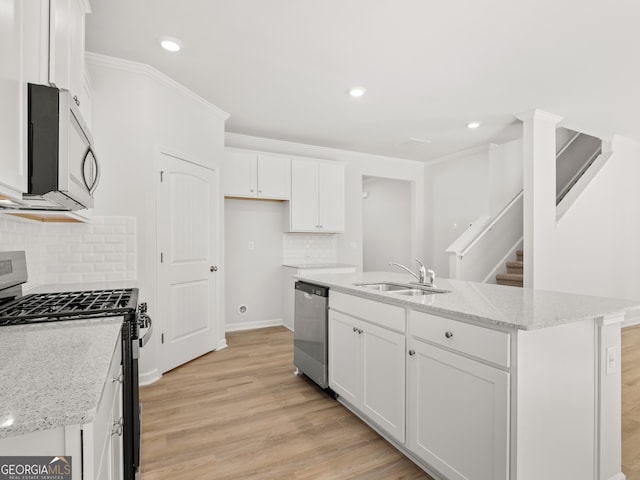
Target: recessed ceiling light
[473, 124]
[171, 44]
[357, 91]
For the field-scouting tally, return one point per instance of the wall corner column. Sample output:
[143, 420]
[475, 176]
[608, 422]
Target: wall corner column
[608, 454]
[539, 185]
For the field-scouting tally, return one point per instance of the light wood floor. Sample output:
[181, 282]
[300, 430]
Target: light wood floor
[240, 413]
[631, 402]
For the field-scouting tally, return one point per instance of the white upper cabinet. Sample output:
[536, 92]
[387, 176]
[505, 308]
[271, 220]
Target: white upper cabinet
[317, 196]
[13, 175]
[66, 45]
[256, 175]
[274, 176]
[54, 44]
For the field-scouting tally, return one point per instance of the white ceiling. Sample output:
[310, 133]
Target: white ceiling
[282, 68]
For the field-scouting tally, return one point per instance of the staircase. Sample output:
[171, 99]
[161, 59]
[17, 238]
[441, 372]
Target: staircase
[514, 276]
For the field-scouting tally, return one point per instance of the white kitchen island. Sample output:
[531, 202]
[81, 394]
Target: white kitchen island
[483, 382]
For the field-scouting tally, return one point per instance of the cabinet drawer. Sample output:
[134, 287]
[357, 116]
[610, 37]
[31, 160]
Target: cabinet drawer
[383, 314]
[484, 343]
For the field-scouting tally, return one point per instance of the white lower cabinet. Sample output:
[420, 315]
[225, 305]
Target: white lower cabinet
[454, 398]
[95, 448]
[367, 369]
[458, 414]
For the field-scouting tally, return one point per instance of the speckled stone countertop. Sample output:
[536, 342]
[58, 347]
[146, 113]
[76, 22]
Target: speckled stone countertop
[52, 374]
[520, 308]
[305, 266]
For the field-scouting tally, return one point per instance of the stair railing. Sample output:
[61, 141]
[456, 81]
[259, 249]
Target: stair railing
[479, 253]
[567, 145]
[476, 255]
[577, 175]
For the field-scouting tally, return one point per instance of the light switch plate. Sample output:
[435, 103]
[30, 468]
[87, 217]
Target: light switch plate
[612, 360]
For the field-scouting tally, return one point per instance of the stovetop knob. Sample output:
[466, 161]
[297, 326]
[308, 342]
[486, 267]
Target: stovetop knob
[142, 308]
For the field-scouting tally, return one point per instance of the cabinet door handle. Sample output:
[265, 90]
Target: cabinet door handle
[355, 329]
[448, 334]
[412, 353]
[213, 268]
[76, 100]
[119, 378]
[117, 427]
[360, 331]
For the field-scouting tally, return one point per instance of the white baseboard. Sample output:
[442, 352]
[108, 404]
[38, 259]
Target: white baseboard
[236, 327]
[288, 327]
[147, 378]
[618, 476]
[222, 344]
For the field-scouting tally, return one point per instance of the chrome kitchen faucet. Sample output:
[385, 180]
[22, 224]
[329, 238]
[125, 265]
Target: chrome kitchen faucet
[422, 273]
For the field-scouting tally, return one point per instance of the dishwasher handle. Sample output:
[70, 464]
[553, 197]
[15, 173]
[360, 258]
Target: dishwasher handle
[311, 289]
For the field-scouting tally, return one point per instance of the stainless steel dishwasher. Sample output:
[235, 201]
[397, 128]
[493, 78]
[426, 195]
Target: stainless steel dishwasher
[310, 332]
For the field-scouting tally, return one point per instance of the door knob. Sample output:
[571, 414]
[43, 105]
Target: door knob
[213, 268]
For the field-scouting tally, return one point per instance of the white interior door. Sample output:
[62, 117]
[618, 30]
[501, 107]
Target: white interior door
[187, 242]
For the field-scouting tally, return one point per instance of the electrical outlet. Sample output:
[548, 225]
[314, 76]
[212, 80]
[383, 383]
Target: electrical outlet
[251, 246]
[612, 360]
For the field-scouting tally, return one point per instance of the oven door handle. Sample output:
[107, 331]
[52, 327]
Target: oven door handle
[148, 324]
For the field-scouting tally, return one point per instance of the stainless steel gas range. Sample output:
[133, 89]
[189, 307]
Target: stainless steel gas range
[19, 309]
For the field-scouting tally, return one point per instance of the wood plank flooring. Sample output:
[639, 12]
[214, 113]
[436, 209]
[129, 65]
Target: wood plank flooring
[631, 402]
[241, 413]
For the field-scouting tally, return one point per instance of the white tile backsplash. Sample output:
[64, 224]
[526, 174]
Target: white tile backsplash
[301, 248]
[103, 250]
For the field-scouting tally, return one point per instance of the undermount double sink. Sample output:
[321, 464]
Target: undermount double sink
[410, 290]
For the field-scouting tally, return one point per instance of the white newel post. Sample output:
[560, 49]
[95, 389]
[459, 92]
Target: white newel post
[609, 403]
[539, 184]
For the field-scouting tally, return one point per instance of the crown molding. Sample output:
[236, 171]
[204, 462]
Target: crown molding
[461, 154]
[285, 147]
[150, 72]
[537, 114]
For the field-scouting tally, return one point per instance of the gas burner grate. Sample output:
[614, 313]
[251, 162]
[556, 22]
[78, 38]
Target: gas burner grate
[48, 307]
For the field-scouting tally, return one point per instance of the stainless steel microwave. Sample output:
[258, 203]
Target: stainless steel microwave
[63, 167]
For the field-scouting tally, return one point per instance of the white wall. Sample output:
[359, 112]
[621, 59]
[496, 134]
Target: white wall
[457, 193]
[505, 172]
[253, 259]
[137, 111]
[596, 242]
[462, 187]
[386, 231]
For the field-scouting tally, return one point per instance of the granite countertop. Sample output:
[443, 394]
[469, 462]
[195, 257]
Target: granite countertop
[318, 265]
[521, 308]
[52, 374]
